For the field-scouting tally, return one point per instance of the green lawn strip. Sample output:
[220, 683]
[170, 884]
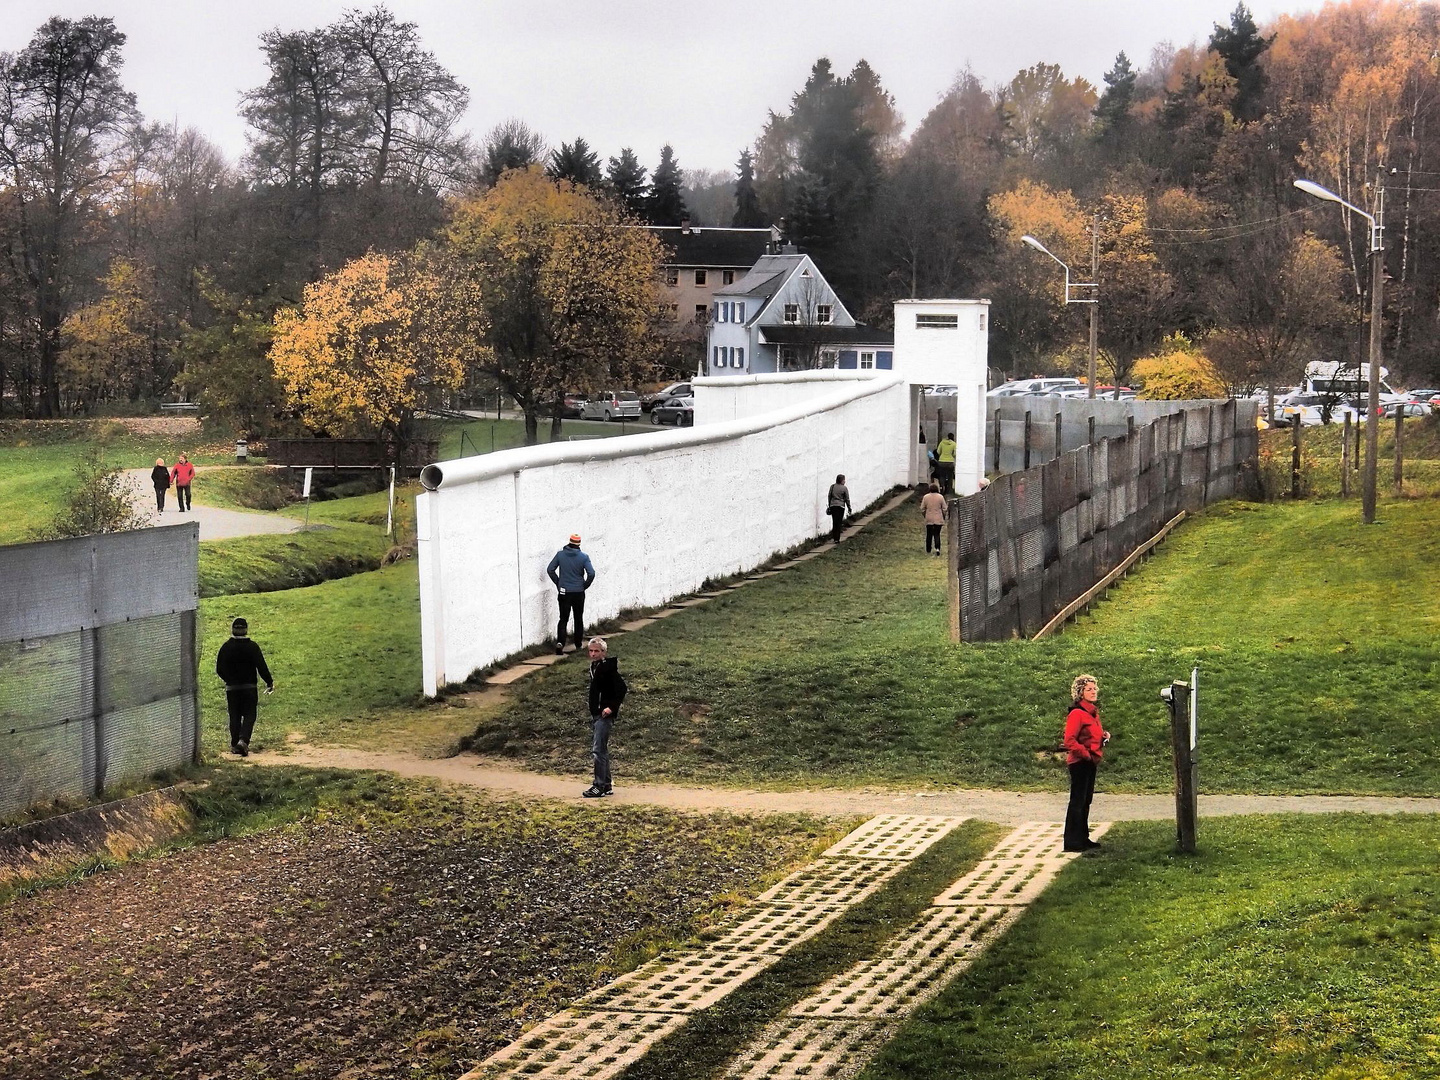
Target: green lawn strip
[709, 1040]
[343, 653]
[1289, 947]
[1320, 458]
[1315, 636]
[483, 436]
[267, 563]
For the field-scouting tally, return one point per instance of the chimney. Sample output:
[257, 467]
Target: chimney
[685, 226]
[789, 249]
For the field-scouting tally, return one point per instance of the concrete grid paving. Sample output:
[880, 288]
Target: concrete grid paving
[602, 1033]
[835, 1031]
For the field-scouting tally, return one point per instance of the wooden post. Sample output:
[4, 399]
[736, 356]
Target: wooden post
[998, 429]
[1295, 457]
[1345, 458]
[1059, 441]
[1130, 427]
[1186, 773]
[1092, 431]
[1399, 450]
[1027, 440]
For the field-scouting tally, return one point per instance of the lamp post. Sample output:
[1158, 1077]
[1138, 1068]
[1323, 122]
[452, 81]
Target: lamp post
[1093, 300]
[1377, 288]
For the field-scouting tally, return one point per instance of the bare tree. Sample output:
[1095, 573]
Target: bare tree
[512, 144]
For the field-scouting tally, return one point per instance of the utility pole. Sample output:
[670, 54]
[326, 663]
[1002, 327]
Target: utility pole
[1095, 307]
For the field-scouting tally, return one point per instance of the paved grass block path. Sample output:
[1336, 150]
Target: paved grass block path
[839, 1027]
[604, 1032]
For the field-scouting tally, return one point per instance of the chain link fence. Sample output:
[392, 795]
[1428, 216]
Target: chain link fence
[1038, 538]
[98, 647]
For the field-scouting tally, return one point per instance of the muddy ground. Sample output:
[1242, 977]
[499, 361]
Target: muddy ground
[334, 949]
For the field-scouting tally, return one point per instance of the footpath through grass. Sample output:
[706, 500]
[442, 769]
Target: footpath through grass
[1316, 639]
[1290, 948]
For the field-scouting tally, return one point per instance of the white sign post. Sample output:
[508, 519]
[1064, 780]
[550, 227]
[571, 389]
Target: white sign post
[306, 493]
[390, 513]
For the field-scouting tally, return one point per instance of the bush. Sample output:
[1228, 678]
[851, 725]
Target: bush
[99, 503]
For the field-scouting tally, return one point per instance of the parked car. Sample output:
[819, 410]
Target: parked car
[1406, 408]
[1423, 395]
[679, 411]
[1311, 409]
[941, 391]
[1034, 386]
[612, 405]
[679, 389]
[570, 409]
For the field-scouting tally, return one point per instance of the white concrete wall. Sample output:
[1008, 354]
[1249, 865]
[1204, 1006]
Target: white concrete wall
[659, 513]
[945, 357]
[723, 398]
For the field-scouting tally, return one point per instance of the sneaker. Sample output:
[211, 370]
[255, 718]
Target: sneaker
[235, 748]
[1073, 849]
[244, 749]
[593, 793]
[608, 791]
[1092, 845]
[559, 650]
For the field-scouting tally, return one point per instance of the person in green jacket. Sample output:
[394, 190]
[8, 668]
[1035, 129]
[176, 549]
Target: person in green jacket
[945, 463]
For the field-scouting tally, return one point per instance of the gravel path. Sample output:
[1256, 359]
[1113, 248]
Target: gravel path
[215, 523]
[1009, 807]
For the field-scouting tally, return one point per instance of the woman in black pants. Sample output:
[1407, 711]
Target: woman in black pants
[1085, 743]
[160, 477]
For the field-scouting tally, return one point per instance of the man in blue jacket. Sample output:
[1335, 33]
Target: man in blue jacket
[572, 574]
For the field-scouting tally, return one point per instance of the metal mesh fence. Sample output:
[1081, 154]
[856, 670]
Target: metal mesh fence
[1038, 538]
[97, 663]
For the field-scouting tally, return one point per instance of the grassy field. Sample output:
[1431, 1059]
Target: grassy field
[483, 436]
[1288, 948]
[1315, 637]
[1320, 459]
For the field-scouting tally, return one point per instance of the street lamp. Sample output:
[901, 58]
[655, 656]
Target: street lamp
[1377, 289]
[1093, 299]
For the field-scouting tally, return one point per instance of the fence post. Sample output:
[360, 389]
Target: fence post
[1209, 452]
[1130, 426]
[1059, 438]
[1092, 430]
[1295, 457]
[1177, 698]
[189, 682]
[1399, 450]
[952, 569]
[998, 429]
[1345, 458]
[1027, 439]
[97, 701]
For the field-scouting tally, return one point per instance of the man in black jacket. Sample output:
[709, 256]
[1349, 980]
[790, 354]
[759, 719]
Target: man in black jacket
[242, 665]
[607, 691]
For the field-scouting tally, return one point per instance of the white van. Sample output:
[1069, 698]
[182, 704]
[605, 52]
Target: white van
[1346, 382]
[1019, 387]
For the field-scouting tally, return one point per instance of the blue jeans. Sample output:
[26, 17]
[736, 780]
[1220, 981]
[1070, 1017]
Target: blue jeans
[600, 749]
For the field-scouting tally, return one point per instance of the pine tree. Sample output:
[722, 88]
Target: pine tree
[748, 214]
[575, 162]
[665, 205]
[626, 180]
[1112, 112]
[1241, 45]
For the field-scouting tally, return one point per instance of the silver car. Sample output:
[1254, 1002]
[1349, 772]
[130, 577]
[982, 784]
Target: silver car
[612, 405]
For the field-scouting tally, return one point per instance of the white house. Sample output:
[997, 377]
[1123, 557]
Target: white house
[783, 316]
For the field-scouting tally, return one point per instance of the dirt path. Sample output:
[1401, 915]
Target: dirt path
[1009, 807]
[215, 523]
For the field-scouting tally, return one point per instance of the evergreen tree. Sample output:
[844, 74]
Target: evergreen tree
[575, 162]
[626, 179]
[665, 205]
[1112, 113]
[747, 202]
[511, 145]
[1241, 45]
[812, 221]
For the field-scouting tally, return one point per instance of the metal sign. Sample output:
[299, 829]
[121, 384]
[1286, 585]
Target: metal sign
[306, 493]
[1194, 705]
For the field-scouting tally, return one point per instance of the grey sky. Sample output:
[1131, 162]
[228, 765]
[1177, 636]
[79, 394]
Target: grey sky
[638, 72]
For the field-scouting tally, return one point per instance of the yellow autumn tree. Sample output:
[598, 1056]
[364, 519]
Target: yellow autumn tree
[1178, 372]
[563, 289]
[369, 348]
[110, 346]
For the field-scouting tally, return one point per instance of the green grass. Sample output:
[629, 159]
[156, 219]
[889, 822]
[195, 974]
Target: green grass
[342, 653]
[703, 1046]
[1289, 947]
[1315, 636]
[1320, 459]
[483, 436]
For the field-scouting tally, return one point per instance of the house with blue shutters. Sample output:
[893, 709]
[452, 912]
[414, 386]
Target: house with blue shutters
[784, 316]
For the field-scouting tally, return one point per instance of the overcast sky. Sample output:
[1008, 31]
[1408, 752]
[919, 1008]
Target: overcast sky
[639, 73]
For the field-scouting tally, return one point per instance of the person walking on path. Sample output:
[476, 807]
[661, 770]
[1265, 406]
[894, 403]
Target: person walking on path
[160, 477]
[932, 508]
[182, 474]
[607, 692]
[571, 572]
[837, 505]
[241, 664]
[1085, 742]
[945, 463]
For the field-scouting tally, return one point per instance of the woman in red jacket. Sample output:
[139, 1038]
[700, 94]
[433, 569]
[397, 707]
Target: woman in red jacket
[1085, 743]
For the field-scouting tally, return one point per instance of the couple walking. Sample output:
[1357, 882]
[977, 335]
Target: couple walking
[181, 475]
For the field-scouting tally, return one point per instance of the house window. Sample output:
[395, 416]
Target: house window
[732, 357]
[720, 312]
[787, 357]
[828, 357]
[727, 277]
[702, 313]
[675, 312]
[867, 360]
[717, 361]
[672, 276]
[700, 276]
[740, 357]
[937, 322]
[822, 313]
[740, 312]
[982, 320]
[792, 312]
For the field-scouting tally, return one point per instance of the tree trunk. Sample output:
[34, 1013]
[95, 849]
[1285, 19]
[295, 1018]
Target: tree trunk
[555, 410]
[532, 424]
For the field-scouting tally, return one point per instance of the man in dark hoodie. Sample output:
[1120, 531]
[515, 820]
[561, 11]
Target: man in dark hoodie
[607, 691]
[572, 574]
[242, 665]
